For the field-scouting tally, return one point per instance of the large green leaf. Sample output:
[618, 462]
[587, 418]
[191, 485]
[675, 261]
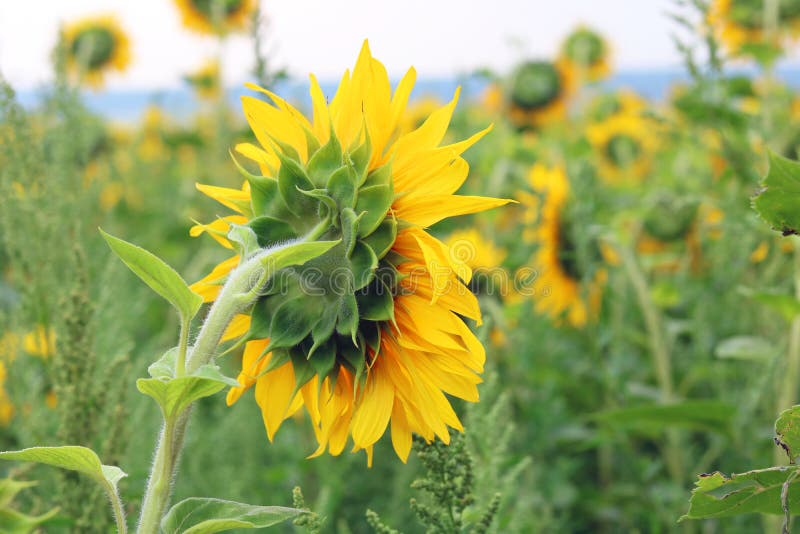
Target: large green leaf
[174, 395]
[779, 202]
[650, 419]
[716, 495]
[207, 516]
[158, 275]
[787, 432]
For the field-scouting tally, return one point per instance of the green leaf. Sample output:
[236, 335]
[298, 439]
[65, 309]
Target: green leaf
[197, 515]
[744, 348]
[175, 394]
[653, 419]
[375, 202]
[72, 458]
[787, 305]
[9, 489]
[244, 240]
[716, 495]
[164, 367]
[158, 275]
[787, 432]
[779, 202]
[296, 253]
[13, 522]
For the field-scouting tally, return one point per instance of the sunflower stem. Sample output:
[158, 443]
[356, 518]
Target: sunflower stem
[238, 292]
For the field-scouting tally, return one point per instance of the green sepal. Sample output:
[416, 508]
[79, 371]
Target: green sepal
[291, 179]
[303, 370]
[372, 334]
[382, 239]
[360, 157]
[355, 357]
[264, 194]
[325, 161]
[350, 222]
[291, 323]
[342, 186]
[363, 263]
[376, 302]
[375, 202]
[324, 327]
[347, 321]
[321, 195]
[312, 143]
[380, 176]
[284, 150]
[270, 230]
[244, 240]
[324, 359]
[279, 357]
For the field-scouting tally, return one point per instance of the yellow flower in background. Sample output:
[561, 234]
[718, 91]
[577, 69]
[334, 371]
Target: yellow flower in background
[561, 291]
[492, 98]
[9, 346]
[41, 342]
[216, 17]
[387, 354]
[760, 253]
[538, 93]
[623, 102]
[741, 22]
[206, 81]
[95, 46]
[6, 406]
[585, 56]
[623, 146]
[471, 247]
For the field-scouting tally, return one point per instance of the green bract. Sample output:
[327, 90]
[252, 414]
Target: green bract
[326, 313]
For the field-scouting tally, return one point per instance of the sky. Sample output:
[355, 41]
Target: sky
[440, 38]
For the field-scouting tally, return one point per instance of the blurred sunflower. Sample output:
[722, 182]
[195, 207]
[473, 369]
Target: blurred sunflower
[41, 342]
[622, 102]
[216, 17]
[378, 336]
[623, 145]
[538, 93]
[95, 46]
[741, 23]
[561, 290]
[584, 56]
[206, 80]
[6, 406]
[670, 232]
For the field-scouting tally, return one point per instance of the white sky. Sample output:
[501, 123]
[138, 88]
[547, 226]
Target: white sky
[438, 37]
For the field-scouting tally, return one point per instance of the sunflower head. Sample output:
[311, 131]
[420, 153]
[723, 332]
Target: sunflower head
[584, 54]
[94, 46]
[206, 80]
[216, 17]
[537, 93]
[740, 23]
[670, 217]
[348, 334]
[623, 144]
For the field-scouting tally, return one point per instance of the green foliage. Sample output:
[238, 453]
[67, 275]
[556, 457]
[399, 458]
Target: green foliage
[779, 202]
[787, 432]
[158, 275]
[207, 516]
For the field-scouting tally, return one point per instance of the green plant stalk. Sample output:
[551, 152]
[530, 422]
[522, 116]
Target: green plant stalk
[239, 291]
[118, 509]
[662, 361]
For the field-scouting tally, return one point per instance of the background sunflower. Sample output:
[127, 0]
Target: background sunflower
[216, 17]
[94, 47]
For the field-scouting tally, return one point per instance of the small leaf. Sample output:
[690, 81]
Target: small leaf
[72, 458]
[9, 489]
[744, 348]
[787, 305]
[787, 432]
[176, 394]
[716, 495]
[244, 240]
[164, 367]
[158, 275]
[197, 515]
[13, 522]
[779, 202]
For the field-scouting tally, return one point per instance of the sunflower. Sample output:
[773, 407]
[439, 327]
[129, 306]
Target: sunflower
[623, 145]
[95, 46]
[584, 55]
[741, 23]
[216, 17]
[560, 288]
[206, 80]
[671, 232]
[373, 332]
[622, 102]
[538, 93]
[41, 342]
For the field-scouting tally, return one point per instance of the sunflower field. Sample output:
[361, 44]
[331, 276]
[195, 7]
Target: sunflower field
[545, 302]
